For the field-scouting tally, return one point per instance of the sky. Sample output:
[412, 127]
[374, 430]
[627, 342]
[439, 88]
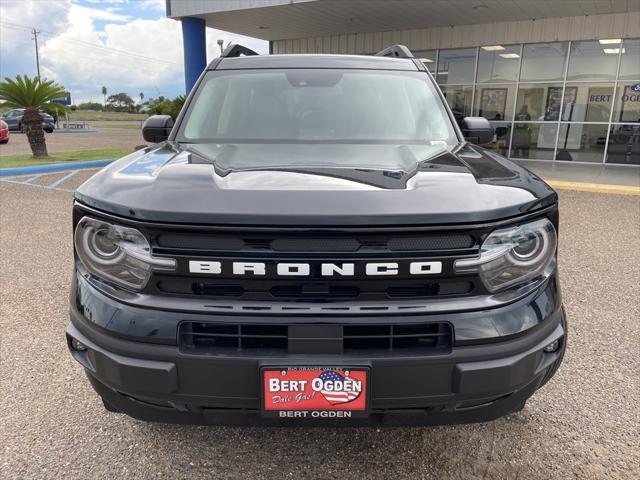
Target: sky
[126, 45]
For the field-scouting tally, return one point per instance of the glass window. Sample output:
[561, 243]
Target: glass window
[630, 61]
[533, 140]
[592, 61]
[495, 102]
[310, 105]
[587, 102]
[459, 99]
[428, 57]
[497, 64]
[538, 102]
[456, 66]
[624, 144]
[581, 143]
[501, 138]
[627, 106]
[543, 61]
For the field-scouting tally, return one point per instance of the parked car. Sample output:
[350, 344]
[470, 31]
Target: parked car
[316, 241]
[13, 118]
[4, 132]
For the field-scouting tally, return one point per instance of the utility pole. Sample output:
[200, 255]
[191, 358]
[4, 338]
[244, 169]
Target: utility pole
[35, 38]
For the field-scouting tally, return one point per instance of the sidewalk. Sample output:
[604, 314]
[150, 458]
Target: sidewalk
[599, 178]
[580, 173]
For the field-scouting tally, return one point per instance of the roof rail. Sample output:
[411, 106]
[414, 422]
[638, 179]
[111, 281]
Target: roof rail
[235, 50]
[398, 51]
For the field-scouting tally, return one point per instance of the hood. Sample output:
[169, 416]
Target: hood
[264, 185]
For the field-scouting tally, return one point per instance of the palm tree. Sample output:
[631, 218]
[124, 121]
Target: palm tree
[141, 96]
[32, 94]
[104, 95]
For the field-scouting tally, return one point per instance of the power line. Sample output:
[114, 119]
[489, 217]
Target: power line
[89, 55]
[92, 45]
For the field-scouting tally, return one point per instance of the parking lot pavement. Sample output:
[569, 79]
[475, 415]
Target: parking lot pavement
[65, 181]
[64, 142]
[584, 424]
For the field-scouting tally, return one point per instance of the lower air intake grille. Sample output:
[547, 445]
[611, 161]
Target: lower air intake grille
[202, 338]
[221, 338]
[397, 338]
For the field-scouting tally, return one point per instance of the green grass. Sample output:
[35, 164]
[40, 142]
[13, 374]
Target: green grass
[80, 115]
[130, 126]
[62, 157]
[91, 116]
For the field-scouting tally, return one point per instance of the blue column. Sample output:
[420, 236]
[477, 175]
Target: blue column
[194, 42]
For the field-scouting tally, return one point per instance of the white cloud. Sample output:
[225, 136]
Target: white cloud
[17, 52]
[80, 12]
[126, 55]
[160, 5]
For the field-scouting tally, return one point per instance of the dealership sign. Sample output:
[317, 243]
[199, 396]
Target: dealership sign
[631, 94]
[64, 100]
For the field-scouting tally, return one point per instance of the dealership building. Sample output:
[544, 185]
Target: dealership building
[558, 79]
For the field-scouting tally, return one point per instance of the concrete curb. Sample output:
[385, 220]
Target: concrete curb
[595, 187]
[53, 167]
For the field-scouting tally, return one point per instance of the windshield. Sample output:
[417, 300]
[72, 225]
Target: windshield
[317, 106]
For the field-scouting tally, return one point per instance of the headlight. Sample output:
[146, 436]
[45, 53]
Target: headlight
[117, 254]
[514, 255]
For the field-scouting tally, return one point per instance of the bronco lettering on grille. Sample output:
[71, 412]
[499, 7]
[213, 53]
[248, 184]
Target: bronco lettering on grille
[323, 269]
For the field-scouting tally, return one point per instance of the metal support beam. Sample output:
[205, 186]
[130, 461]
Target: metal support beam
[194, 40]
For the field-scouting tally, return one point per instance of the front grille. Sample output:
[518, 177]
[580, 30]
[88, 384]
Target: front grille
[282, 242]
[314, 291]
[314, 247]
[203, 338]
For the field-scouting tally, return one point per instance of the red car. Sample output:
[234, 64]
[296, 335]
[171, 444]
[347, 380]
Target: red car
[4, 132]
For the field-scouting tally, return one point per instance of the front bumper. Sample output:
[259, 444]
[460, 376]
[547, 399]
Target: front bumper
[156, 382]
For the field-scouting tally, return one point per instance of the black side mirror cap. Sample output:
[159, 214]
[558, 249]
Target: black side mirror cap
[157, 128]
[477, 130]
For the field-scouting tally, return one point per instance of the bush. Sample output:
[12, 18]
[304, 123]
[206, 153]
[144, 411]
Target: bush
[93, 106]
[164, 106]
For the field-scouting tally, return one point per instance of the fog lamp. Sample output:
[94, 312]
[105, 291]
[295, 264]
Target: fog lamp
[78, 346]
[552, 347]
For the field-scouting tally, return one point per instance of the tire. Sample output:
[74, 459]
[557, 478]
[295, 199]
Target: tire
[4, 142]
[48, 130]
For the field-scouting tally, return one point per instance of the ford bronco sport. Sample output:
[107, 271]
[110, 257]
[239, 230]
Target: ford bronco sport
[316, 241]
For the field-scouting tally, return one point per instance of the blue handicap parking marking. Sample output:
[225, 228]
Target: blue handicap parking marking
[61, 180]
[28, 181]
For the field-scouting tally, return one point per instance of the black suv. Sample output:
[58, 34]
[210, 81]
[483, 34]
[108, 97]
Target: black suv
[316, 241]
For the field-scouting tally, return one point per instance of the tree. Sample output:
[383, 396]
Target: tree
[164, 106]
[104, 95]
[90, 106]
[120, 102]
[141, 96]
[176, 105]
[32, 94]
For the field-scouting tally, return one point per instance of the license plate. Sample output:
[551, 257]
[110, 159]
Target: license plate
[314, 392]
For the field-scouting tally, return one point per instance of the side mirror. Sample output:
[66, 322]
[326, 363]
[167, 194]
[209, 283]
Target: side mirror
[157, 128]
[477, 130]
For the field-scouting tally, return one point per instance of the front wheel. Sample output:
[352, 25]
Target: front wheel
[3, 142]
[48, 130]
